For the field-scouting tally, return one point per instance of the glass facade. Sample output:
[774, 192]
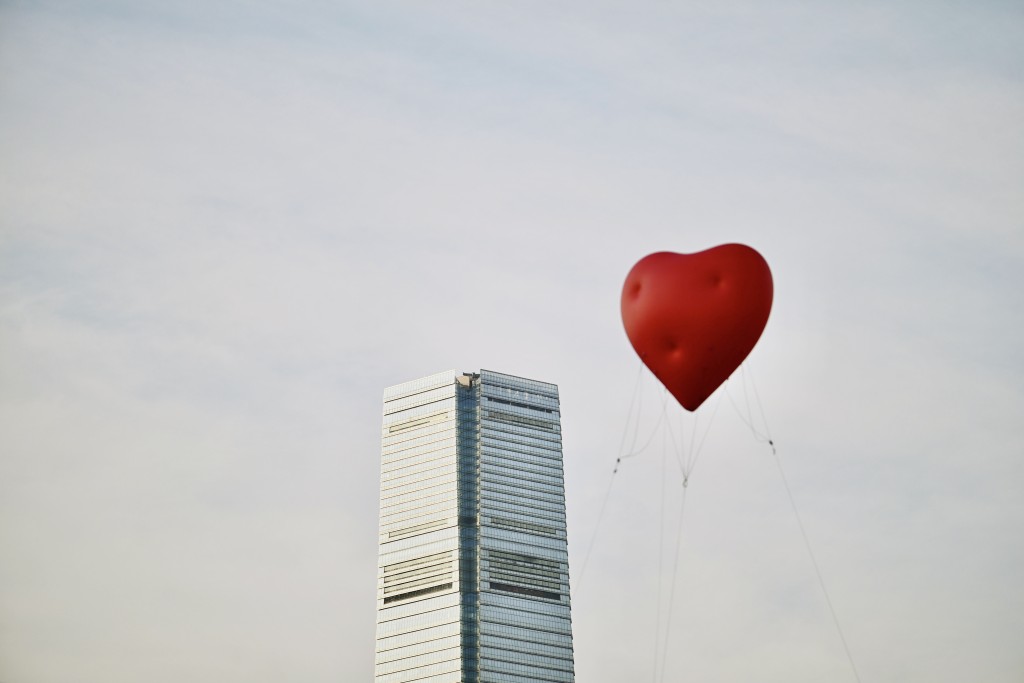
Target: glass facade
[473, 574]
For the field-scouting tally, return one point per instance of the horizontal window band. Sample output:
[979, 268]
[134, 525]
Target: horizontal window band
[432, 470]
[438, 492]
[406, 439]
[553, 522]
[432, 571]
[404, 627]
[498, 502]
[405, 585]
[437, 610]
[497, 536]
[550, 573]
[428, 559]
[522, 615]
[419, 399]
[555, 583]
[526, 560]
[490, 487]
[526, 647]
[418, 593]
[422, 385]
[495, 452]
[538, 408]
[521, 439]
[503, 575]
[493, 489]
[518, 590]
[419, 455]
[397, 552]
[394, 572]
[436, 673]
[524, 483]
[518, 672]
[496, 507]
[561, 661]
[521, 464]
[504, 632]
[394, 410]
[536, 567]
[441, 427]
[504, 429]
[498, 384]
[419, 528]
[434, 478]
[443, 457]
[512, 418]
[531, 398]
[430, 633]
[414, 520]
[558, 557]
[495, 379]
[404, 449]
[530, 622]
[421, 452]
[525, 574]
[545, 466]
[421, 648]
[399, 514]
[418, 421]
[491, 499]
[417, 572]
[491, 435]
[407, 427]
[526, 527]
[446, 576]
[523, 582]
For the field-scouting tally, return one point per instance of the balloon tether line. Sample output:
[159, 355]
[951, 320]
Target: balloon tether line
[767, 438]
[661, 552]
[611, 479]
[814, 561]
[687, 470]
[634, 451]
[672, 586]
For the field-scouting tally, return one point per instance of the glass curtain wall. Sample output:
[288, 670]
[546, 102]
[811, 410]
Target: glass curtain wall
[524, 623]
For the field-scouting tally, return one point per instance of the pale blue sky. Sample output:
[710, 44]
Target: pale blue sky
[226, 227]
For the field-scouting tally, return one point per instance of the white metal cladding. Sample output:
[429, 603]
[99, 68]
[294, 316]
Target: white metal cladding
[418, 611]
[471, 478]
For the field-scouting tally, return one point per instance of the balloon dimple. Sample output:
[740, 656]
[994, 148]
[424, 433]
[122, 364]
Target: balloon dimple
[635, 289]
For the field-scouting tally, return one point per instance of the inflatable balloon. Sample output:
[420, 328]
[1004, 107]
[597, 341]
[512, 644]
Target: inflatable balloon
[693, 318]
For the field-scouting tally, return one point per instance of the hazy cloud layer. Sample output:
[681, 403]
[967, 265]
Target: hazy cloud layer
[225, 228]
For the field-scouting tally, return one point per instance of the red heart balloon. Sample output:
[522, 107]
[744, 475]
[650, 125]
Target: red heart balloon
[693, 318]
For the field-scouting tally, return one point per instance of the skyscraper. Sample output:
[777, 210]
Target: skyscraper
[473, 574]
